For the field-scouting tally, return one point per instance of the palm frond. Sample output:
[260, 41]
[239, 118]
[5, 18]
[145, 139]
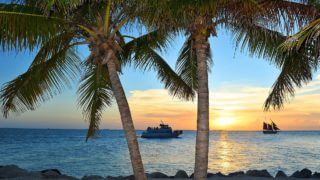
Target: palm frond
[107, 17]
[53, 46]
[308, 35]
[296, 66]
[186, 64]
[89, 31]
[119, 26]
[156, 40]
[25, 27]
[141, 52]
[54, 6]
[95, 94]
[41, 82]
[152, 40]
[288, 15]
[296, 71]
[302, 51]
[259, 41]
[172, 81]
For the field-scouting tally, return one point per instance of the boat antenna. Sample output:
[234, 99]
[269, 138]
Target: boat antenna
[162, 122]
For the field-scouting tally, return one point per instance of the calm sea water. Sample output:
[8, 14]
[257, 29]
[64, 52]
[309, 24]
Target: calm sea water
[66, 150]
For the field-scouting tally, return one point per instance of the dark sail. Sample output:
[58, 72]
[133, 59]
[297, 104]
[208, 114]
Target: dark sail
[275, 127]
[269, 127]
[265, 126]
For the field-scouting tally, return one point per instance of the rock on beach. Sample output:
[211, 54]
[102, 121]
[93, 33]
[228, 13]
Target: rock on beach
[13, 172]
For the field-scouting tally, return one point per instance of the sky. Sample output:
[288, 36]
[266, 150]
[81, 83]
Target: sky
[238, 85]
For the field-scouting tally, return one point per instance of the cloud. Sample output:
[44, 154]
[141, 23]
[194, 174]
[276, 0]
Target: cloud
[242, 104]
[149, 107]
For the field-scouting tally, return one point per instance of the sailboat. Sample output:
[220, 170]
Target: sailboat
[270, 128]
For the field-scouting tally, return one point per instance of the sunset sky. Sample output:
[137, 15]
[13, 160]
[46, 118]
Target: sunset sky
[238, 84]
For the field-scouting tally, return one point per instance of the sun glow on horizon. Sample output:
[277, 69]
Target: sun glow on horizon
[223, 121]
[236, 108]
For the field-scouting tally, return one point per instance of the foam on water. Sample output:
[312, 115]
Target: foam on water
[66, 150]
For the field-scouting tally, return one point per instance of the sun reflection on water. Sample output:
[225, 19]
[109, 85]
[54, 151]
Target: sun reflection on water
[224, 154]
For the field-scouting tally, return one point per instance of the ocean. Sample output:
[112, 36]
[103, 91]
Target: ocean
[107, 155]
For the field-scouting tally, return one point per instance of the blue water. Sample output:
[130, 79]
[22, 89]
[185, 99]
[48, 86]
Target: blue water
[66, 150]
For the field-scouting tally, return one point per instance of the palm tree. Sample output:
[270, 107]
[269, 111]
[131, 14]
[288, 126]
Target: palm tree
[253, 24]
[56, 29]
[199, 20]
[303, 50]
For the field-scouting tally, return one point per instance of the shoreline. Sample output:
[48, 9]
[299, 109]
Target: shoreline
[14, 172]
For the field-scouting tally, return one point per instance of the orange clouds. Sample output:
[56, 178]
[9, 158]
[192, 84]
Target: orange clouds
[231, 108]
[151, 106]
[301, 114]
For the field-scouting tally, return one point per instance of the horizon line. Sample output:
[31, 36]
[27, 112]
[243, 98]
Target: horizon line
[117, 129]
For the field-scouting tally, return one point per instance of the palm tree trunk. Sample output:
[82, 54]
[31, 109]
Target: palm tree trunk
[202, 140]
[127, 122]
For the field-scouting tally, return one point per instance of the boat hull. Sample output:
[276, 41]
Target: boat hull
[270, 132]
[175, 134]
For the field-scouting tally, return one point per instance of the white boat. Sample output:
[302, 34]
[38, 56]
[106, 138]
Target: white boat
[164, 131]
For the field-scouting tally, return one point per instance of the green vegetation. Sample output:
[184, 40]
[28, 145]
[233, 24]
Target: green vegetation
[55, 28]
[256, 26]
